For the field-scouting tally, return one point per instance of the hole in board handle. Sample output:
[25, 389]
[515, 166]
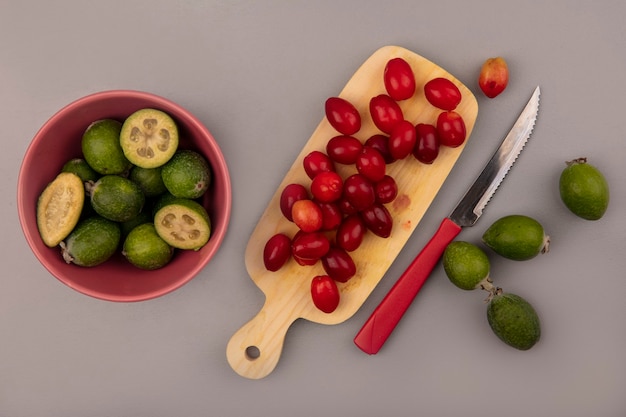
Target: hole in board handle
[252, 353]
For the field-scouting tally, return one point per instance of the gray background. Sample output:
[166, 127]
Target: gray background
[257, 74]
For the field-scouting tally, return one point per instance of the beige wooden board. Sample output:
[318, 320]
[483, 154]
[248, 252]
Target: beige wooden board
[287, 291]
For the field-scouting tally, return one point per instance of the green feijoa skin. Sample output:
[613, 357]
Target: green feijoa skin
[187, 174]
[183, 224]
[116, 198]
[517, 237]
[162, 200]
[145, 249]
[584, 189]
[514, 320]
[149, 180]
[81, 168]
[466, 265]
[93, 241]
[141, 218]
[101, 147]
[149, 138]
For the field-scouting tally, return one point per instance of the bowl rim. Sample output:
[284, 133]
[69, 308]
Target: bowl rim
[190, 119]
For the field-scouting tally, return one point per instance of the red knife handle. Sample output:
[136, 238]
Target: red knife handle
[386, 316]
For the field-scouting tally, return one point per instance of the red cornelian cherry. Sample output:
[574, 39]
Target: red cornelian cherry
[276, 252]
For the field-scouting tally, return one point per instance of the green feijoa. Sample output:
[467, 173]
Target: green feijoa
[183, 224]
[93, 241]
[187, 174]
[466, 265]
[101, 147]
[116, 198]
[584, 189]
[145, 249]
[149, 180]
[517, 237]
[513, 320]
[81, 168]
[141, 218]
[149, 138]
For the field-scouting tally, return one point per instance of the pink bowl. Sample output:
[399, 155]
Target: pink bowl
[59, 140]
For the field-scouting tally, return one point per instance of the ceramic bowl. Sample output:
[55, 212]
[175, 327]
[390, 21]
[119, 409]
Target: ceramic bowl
[59, 140]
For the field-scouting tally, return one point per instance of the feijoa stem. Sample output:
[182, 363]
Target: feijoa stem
[487, 285]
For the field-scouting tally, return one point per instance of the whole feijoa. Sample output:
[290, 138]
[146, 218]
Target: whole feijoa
[145, 249]
[81, 168]
[466, 265]
[93, 241]
[584, 189]
[187, 174]
[101, 147]
[513, 320]
[149, 180]
[517, 237]
[116, 198]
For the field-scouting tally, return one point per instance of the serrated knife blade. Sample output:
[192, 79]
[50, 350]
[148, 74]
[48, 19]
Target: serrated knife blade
[388, 313]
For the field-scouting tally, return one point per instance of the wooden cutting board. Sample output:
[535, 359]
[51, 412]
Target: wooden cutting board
[254, 350]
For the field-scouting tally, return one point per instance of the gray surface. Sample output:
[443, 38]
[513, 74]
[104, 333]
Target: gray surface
[257, 73]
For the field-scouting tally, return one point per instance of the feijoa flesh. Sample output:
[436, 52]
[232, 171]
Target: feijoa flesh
[513, 320]
[584, 189]
[116, 198]
[145, 249]
[187, 174]
[183, 224]
[59, 208]
[516, 237]
[466, 265]
[149, 138]
[101, 147]
[92, 242]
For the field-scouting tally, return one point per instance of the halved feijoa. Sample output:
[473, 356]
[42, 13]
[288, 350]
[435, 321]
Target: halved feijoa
[92, 242]
[145, 249]
[59, 207]
[149, 138]
[101, 147]
[183, 224]
[116, 198]
[187, 174]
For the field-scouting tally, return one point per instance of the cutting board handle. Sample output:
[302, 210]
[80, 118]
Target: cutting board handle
[254, 350]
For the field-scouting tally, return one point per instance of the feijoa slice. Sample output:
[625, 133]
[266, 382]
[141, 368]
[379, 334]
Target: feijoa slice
[149, 138]
[145, 249]
[466, 265]
[92, 242]
[81, 168]
[116, 198]
[584, 189]
[187, 174]
[183, 224]
[517, 237]
[514, 320]
[101, 147]
[149, 180]
[59, 207]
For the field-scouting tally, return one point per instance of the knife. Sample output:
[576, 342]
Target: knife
[386, 316]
